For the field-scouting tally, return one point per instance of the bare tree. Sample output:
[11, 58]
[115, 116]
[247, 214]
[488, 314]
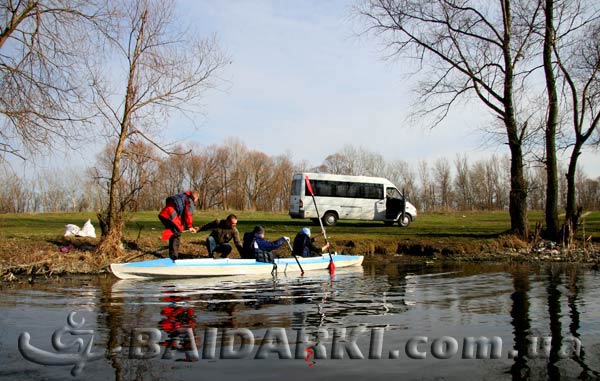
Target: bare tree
[277, 196]
[202, 169]
[170, 176]
[254, 177]
[338, 164]
[576, 50]
[138, 169]
[589, 193]
[537, 187]
[167, 70]
[442, 174]
[551, 206]
[225, 170]
[238, 154]
[470, 48]
[42, 91]
[462, 184]
[354, 161]
[479, 185]
[212, 192]
[15, 193]
[401, 174]
[428, 191]
[286, 167]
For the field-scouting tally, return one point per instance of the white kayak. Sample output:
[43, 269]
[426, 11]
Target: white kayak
[208, 267]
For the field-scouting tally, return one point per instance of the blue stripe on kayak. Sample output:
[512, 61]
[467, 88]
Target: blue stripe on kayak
[167, 262]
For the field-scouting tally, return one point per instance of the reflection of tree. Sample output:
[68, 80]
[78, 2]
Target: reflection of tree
[521, 323]
[555, 325]
[575, 286]
[112, 314]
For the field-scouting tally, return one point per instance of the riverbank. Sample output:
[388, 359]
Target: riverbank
[33, 245]
[25, 260]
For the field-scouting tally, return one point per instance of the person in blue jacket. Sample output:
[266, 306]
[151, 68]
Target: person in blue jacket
[257, 247]
[304, 245]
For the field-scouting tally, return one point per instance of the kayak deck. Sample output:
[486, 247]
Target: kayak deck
[208, 267]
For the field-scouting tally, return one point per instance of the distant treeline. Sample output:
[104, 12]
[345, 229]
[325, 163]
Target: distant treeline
[232, 176]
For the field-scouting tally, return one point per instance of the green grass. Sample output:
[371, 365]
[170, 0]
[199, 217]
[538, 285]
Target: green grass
[474, 225]
[31, 242]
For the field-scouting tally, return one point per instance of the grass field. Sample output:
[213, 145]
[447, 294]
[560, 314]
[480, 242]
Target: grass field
[33, 245]
[450, 229]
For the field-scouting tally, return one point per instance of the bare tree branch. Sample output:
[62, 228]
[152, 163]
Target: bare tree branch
[165, 70]
[42, 92]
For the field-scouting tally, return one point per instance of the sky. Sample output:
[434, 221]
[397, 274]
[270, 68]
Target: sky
[303, 81]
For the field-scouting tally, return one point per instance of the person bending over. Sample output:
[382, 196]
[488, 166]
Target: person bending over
[257, 247]
[304, 245]
[223, 231]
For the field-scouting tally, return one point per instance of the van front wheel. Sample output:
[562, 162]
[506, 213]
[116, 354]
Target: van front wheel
[404, 222]
[330, 219]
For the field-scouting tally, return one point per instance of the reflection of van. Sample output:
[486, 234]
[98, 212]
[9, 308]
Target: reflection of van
[349, 197]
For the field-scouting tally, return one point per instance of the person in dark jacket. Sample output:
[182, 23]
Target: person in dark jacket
[304, 245]
[223, 232]
[177, 216]
[257, 247]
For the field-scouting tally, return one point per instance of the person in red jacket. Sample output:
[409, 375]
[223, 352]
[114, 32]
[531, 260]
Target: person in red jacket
[177, 216]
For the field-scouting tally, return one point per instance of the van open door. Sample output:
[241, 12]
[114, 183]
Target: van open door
[394, 204]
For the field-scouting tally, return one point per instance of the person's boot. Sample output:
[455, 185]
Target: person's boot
[174, 247]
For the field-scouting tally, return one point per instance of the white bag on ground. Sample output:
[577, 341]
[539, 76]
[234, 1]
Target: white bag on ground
[71, 230]
[87, 230]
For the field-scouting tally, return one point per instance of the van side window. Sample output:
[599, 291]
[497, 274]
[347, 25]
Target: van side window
[322, 188]
[373, 191]
[325, 188]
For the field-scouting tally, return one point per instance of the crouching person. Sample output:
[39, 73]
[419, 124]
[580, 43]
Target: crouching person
[223, 231]
[304, 245]
[257, 247]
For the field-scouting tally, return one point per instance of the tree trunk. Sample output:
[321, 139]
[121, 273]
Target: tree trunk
[552, 224]
[518, 194]
[518, 187]
[111, 241]
[571, 215]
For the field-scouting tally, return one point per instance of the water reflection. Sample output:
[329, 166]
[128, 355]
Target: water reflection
[537, 311]
[520, 322]
[178, 323]
[575, 302]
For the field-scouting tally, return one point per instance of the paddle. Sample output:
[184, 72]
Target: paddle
[296, 258]
[310, 190]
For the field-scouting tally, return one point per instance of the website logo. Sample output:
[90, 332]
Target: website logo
[76, 353]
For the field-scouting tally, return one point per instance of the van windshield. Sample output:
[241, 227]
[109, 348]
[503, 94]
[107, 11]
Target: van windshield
[393, 193]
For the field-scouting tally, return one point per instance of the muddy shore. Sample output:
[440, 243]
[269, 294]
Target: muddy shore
[24, 260]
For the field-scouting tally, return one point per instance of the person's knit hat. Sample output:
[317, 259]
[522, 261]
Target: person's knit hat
[258, 229]
[306, 231]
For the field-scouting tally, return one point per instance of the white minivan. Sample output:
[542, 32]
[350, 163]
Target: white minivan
[349, 197]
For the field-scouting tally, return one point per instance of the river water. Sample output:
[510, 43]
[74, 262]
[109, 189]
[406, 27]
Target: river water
[406, 321]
